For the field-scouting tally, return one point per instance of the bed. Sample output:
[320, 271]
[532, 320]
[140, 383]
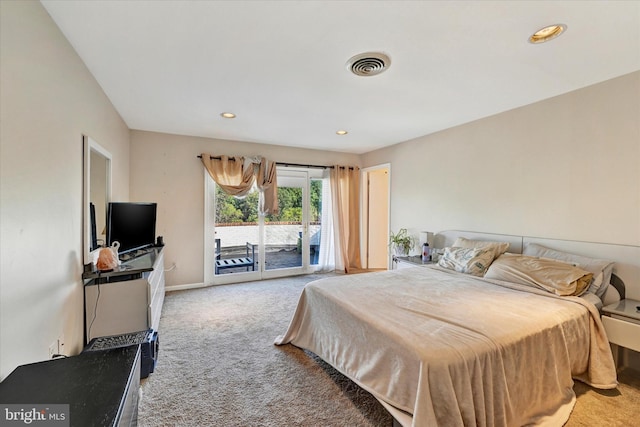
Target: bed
[440, 347]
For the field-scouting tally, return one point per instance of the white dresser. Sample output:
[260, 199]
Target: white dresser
[127, 300]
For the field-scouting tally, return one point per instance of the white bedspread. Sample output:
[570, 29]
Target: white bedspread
[455, 350]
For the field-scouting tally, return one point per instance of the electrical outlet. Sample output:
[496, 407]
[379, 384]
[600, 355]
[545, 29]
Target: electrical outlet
[61, 344]
[53, 349]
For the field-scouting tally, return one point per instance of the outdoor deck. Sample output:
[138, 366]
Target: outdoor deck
[275, 259]
[282, 248]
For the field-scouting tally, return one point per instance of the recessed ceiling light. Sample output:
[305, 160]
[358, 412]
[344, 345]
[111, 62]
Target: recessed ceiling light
[547, 33]
[228, 115]
[342, 132]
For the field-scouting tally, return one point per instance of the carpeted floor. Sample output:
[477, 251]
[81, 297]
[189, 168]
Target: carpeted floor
[218, 367]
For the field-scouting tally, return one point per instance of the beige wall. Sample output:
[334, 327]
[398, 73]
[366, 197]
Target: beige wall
[567, 167]
[48, 99]
[165, 169]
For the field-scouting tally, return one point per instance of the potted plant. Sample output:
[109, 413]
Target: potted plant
[401, 242]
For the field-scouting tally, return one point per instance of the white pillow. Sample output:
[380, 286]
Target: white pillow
[601, 269]
[473, 261]
[498, 248]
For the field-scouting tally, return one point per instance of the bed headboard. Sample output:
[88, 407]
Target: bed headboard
[447, 238]
[626, 257]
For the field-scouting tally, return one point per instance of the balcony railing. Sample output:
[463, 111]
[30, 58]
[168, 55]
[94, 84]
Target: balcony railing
[282, 248]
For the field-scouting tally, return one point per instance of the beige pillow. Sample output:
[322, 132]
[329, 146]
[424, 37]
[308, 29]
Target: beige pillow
[497, 248]
[559, 278]
[601, 269]
[473, 261]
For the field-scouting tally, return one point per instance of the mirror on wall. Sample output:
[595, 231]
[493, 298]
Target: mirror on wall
[97, 193]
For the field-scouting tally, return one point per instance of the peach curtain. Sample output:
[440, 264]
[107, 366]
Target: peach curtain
[345, 195]
[266, 180]
[236, 175]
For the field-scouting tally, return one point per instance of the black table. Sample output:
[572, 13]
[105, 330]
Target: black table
[100, 387]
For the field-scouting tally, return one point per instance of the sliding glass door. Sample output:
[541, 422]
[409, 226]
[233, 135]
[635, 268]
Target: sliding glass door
[285, 232]
[247, 246]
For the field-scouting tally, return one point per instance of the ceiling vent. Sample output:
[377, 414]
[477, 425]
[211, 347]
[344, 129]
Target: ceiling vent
[368, 64]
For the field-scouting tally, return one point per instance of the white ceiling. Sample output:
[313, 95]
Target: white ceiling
[174, 66]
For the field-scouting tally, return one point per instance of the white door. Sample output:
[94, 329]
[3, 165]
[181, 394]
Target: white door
[377, 221]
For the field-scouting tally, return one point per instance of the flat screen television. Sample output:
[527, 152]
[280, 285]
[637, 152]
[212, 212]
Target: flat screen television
[131, 224]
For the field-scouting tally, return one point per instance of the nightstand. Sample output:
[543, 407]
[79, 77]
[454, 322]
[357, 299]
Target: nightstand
[621, 321]
[408, 261]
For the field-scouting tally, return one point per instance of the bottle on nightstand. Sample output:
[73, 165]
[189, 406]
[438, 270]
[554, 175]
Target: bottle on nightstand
[426, 253]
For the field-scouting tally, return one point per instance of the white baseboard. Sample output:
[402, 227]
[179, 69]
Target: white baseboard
[185, 287]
